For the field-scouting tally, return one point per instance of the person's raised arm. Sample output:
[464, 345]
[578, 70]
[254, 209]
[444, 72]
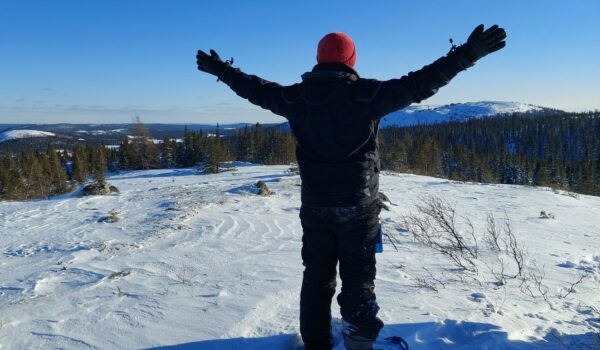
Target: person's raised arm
[258, 91]
[395, 94]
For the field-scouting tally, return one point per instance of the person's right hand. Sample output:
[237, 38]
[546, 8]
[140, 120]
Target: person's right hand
[212, 64]
[482, 43]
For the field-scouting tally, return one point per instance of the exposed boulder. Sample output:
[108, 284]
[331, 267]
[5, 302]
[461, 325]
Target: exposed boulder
[110, 218]
[263, 190]
[546, 215]
[99, 189]
[293, 170]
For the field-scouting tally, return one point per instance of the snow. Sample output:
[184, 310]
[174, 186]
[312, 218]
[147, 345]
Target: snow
[432, 114]
[200, 262]
[21, 134]
[101, 132]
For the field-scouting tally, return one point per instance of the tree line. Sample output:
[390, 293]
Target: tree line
[33, 174]
[548, 148]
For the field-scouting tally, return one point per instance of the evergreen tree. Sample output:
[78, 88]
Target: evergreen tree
[80, 165]
[143, 149]
[99, 165]
[57, 172]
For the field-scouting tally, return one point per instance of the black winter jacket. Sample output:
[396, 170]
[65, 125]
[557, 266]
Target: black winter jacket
[335, 114]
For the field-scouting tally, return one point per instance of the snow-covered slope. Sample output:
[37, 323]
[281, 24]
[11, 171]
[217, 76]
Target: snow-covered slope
[430, 114]
[200, 262]
[21, 134]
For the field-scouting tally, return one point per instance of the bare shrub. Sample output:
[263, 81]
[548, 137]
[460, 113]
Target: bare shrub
[504, 260]
[515, 250]
[184, 275]
[429, 281]
[492, 237]
[391, 238]
[497, 271]
[501, 240]
[571, 289]
[435, 226]
[424, 283]
[532, 284]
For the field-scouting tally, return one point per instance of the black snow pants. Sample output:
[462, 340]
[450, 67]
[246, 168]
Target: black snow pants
[346, 235]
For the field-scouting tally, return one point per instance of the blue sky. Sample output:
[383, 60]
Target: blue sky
[108, 61]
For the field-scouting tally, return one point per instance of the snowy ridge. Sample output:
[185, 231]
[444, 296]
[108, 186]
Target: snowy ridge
[432, 114]
[201, 262]
[21, 134]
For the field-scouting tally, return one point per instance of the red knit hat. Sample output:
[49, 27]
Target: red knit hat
[336, 47]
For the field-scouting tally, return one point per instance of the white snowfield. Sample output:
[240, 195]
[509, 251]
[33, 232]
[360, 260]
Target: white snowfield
[201, 262]
[433, 114]
[21, 134]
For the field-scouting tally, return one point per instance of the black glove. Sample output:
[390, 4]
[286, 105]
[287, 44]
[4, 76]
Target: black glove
[482, 43]
[212, 64]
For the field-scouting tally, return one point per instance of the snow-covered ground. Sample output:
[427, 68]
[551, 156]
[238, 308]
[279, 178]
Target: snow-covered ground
[21, 134]
[201, 262]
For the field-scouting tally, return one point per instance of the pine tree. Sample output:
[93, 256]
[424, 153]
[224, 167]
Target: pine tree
[144, 152]
[57, 173]
[99, 165]
[168, 149]
[216, 153]
[80, 165]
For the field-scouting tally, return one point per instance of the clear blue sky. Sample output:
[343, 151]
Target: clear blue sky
[107, 61]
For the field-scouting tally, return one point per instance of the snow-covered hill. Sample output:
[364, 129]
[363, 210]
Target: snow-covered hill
[201, 262]
[22, 134]
[430, 114]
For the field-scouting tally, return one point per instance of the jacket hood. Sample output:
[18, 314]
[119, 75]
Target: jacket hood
[327, 82]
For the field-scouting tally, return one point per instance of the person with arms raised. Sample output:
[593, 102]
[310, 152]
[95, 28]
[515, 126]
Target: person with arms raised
[334, 115]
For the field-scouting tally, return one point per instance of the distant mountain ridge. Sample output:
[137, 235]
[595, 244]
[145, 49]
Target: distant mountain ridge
[432, 114]
[21, 134]
[108, 132]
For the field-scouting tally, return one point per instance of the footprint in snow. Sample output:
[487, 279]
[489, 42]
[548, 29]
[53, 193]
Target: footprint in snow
[477, 297]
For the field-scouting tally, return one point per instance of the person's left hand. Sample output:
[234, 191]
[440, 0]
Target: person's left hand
[212, 64]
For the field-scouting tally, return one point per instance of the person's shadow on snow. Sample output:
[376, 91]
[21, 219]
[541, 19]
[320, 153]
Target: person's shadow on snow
[448, 334]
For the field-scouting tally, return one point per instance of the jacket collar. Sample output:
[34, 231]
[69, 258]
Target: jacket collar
[330, 72]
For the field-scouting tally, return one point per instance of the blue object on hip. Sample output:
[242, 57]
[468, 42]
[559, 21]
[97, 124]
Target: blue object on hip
[379, 242]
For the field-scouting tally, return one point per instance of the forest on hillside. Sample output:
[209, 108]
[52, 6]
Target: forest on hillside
[549, 148]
